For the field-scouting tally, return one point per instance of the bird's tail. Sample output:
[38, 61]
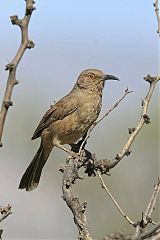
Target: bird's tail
[31, 177]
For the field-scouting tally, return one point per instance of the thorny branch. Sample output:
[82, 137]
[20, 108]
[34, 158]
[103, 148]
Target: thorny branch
[151, 206]
[12, 66]
[105, 165]
[4, 213]
[150, 233]
[70, 174]
[156, 6]
[89, 161]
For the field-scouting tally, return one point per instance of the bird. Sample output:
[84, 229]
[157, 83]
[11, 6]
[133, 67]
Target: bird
[67, 121]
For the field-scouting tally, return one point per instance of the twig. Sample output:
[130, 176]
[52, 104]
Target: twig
[156, 237]
[70, 174]
[148, 234]
[151, 206]
[126, 92]
[146, 217]
[156, 3]
[143, 119]
[4, 213]
[104, 165]
[113, 200]
[12, 66]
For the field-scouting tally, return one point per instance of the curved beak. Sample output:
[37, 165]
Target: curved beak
[110, 77]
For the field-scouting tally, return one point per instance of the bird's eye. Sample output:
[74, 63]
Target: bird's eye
[91, 75]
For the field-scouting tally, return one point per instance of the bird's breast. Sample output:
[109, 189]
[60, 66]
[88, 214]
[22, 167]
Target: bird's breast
[89, 110]
[74, 126]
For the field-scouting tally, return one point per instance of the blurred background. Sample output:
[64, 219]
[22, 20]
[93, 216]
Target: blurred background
[118, 37]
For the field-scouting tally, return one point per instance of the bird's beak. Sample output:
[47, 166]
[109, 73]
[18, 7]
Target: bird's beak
[110, 77]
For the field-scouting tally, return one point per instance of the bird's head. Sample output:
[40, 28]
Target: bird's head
[93, 79]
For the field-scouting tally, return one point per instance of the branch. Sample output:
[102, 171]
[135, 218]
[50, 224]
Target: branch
[4, 213]
[70, 174]
[151, 205]
[105, 164]
[156, 3]
[153, 232]
[113, 200]
[146, 218]
[140, 226]
[12, 66]
[156, 237]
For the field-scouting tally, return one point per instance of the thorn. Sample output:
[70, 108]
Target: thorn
[102, 186]
[108, 173]
[150, 79]
[61, 168]
[117, 157]
[16, 82]
[15, 20]
[131, 130]
[9, 66]
[30, 44]
[142, 103]
[80, 177]
[146, 119]
[30, 9]
[128, 152]
[7, 104]
[84, 206]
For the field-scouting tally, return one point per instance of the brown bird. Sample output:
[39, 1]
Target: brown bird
[67, 121]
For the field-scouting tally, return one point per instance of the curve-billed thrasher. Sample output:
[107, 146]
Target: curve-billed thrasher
[67, 121]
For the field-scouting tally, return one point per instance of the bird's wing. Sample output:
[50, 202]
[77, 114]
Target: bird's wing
[60, 110]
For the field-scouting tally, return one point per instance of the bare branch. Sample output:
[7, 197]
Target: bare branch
[151, 206]
[126, 92]
[104, 165]
[148, 234]
[113, 199]
[4, 213]
[12, 66]
[70, 174]
[143, 119]
[156, 3]
[146, 217]
[156, 237]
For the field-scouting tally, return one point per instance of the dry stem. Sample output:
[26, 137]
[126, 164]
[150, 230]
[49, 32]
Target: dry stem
[151, 205]
[156, 3]
[4, 213]
[143, 119]
[149, 210]
[113, 199]
[12, 66]
[70, 174]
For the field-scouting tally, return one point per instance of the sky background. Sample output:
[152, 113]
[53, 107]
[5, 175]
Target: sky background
[118, 37]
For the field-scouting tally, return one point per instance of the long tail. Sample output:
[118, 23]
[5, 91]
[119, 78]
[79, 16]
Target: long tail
[31, 177]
